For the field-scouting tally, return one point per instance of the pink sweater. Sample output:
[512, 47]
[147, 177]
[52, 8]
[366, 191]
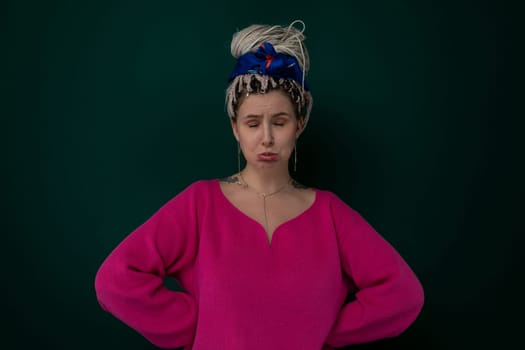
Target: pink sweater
[244, 293]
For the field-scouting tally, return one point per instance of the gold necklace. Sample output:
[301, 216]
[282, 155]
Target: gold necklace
[264, 196]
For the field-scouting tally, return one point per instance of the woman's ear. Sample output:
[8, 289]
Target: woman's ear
[300, 127]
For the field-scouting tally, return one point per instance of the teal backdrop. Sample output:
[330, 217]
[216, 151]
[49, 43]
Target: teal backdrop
[110, 108]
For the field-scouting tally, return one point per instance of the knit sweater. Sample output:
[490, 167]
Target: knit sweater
[243, 292]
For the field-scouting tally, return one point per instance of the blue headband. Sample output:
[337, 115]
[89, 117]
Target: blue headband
[266, 61]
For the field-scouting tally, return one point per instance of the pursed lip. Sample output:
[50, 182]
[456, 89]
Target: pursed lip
[267, 156]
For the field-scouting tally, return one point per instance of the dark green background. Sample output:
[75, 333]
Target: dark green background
[111, 108]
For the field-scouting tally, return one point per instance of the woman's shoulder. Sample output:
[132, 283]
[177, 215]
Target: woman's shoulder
[193, 186]
[198, 189]
[336, 203]
[322, 198]
[320, 193]
[202, 184]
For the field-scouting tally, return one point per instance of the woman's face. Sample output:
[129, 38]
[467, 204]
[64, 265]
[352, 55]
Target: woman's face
[267, 128]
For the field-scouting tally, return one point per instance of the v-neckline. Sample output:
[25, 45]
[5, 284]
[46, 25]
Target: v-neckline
[268, 238]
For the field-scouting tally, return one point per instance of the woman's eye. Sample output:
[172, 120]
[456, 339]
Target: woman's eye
[279, 123]
[253, 125]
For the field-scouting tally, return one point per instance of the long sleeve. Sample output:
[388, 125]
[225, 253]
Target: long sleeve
[130, 282]
[389, 296]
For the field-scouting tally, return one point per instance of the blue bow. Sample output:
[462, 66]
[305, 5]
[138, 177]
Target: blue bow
[266, 61]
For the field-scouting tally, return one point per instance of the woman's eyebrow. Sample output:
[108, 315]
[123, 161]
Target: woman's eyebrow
[252, 116]
[259, 116]
[280, 114]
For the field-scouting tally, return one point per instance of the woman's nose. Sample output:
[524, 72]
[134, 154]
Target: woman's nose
[267, 135]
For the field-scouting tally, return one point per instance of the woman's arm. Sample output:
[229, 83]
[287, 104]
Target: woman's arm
[130, 282]
[389, 296]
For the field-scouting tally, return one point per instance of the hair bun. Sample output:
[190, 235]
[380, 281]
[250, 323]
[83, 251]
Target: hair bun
[288, 40]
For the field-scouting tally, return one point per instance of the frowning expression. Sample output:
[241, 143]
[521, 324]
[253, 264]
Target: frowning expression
[267, 127]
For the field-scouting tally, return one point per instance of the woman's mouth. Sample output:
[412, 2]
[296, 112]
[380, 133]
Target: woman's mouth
[267, 156]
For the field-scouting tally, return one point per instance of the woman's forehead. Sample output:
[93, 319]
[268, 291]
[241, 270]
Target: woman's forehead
[275, 101]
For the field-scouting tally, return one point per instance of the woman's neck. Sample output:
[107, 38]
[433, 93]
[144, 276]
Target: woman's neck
[265, 181]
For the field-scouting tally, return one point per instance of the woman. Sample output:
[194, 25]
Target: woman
[265, 262]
